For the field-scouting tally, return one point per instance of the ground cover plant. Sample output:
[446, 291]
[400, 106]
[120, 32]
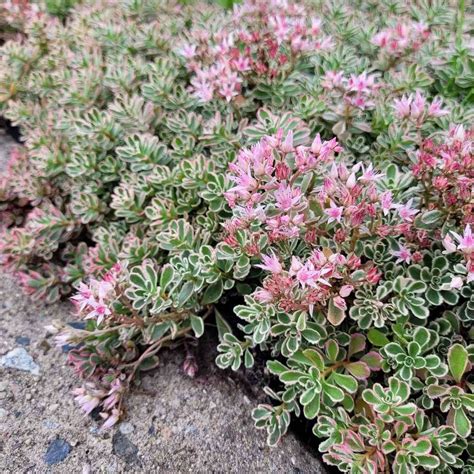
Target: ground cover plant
[277, 157]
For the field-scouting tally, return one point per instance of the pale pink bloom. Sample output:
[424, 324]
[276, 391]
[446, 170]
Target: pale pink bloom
[345, 290]
[403, 254]
[351, 181]
[406, 212]
[316, 145]
[110, 420]
[188, 51]
[103, 288]
[402, 106]
[334, 212]
[99, 311]
[242, 64]
[307, 275]
[86, 401]
[287, 197]
[340, 303]
[295, 266]
[332, 79]
[456, 283]
[418, 105]
[63, 338]
[466, 241]
[370, 175]
[84, 298]
[449, 244]
[287, 145]
[263, 296]
[435, 110]
[270, 264]
[386, 201]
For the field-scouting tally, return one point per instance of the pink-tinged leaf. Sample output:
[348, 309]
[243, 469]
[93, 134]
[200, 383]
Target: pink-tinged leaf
[357, 344]
[335, 314]
[373, 360]
[360, 370]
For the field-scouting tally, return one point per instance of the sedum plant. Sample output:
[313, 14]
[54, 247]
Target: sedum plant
[180, 160]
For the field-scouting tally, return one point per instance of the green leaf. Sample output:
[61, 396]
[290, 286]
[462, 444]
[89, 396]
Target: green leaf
[458, 359]
[167, 274]
[213, 292]
[197, 324]
[149, 363]
[276, 367]
[159, 330]
[185, 293]
[223, 326]
[348, 383]
[312, 409]
[377, 338]
[461, 423]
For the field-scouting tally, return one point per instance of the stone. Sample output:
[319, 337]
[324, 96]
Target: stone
[58, 451]
[23, 340]
[3, 413]
[19, 359]
[126, 428]
[124, 448]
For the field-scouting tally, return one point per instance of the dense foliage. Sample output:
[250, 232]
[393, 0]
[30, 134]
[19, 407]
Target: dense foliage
[317, 173]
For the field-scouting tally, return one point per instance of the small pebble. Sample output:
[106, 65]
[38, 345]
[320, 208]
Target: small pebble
[3, 413]
[58, 451]
[126, 428]
[19, 359]
[23, 340]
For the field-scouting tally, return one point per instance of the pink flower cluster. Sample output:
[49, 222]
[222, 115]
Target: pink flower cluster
[402, 39]
[18, 11]
[94, 300]
[446, 171]
[268, 189]
[265, 37]
[312, 282]
[356, 90]
[417, 109]
[108, 397]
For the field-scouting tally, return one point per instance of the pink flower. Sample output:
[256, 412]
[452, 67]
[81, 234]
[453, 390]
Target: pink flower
[286, 197]
[406, 212]
[403, 254]
[263, 296]
[334, 212]
[307, 275]
[110, 419]
[435, 110]
[271, 264]
[345, 290]
[402, 106]
[340, 303]
[287, 145]
[456, 283]
[370, 175]
[449, 244]
[188, 51]
[466, 241]
[99, 311]
[86, 401]
[418, 106]
[386, 202]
